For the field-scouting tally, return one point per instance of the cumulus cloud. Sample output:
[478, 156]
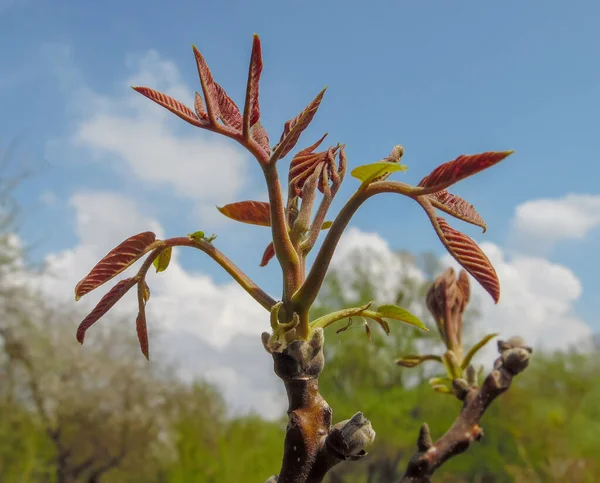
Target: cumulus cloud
[144, 142]
[537, 300]
[369, 256]
[541, 223]
[196, 321]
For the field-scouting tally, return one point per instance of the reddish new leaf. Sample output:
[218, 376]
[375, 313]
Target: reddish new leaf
[251, 212]
[117, 260]
[294, 127]
[457, 207]
[469, 255]
[171, 104]
[228, 110]
[268, 255]
[259, 134]
[305, 163]
[106, 302]
[251, 107]
[462, 167]
[199, 107]
[208, 87]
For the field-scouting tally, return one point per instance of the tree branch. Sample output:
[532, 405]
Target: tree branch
[514, 358]
[312, 446]
[307, 293]
[231, 268]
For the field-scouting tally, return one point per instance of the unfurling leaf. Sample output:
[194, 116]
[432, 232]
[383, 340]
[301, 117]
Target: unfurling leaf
[473, 350]
[142, 332]
[251, 107]
[199, 107]
[268, 255]
[117, 260]
[140, 321]
[208, 87]
[161, 262]
[462, 167]
[457, 207]
[259, 134]
[295, 126]
[171, 104]
[369, 172]
[106, 302]
[469, 255]
[229, 112]
[397, 313]
[415, 360]
[442, 389]
[196, 236]
[306, 163]
[251, 212]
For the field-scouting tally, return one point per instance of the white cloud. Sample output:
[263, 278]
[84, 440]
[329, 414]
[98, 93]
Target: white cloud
[537, 296]
[540, 224]
[136, 137]
[537, 301]
[214, 329]
[368, 255]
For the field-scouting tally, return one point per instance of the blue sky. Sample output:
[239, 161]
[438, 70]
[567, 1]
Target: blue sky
[440, 78]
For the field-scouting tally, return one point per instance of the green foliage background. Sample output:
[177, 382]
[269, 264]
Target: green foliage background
[545, 429]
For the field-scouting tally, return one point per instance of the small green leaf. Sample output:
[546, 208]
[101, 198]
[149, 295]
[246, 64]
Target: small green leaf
[162, 261]
[442, 389]
[196, 236]
[368, 172]
[326, 225]
[398, 313]
[467, 360]
[414, 360]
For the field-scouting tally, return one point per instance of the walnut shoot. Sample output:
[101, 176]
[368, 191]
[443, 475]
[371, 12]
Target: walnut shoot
[314, 179]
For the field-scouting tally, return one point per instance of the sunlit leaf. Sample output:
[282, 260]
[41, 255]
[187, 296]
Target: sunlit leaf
[368, 172]
[196, 236]
[171, 104]
[117, 260]
[398, 313]
[161, 262]
[462, 167]
[252, 212]
[106, 302]
[469, 255]
[457, 207]
[467, 360]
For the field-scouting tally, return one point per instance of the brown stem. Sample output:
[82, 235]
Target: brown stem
[307, 293]
[514, 358]
[312, 445]
[231, 268]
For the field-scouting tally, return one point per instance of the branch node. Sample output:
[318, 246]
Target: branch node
[349, 438]
[424, 442]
